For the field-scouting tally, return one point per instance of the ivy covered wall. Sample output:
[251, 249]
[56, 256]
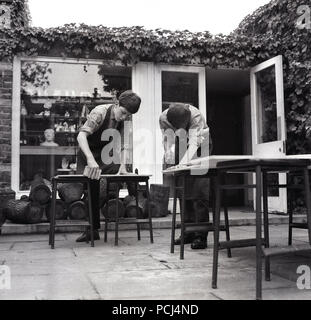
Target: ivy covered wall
[269, 31]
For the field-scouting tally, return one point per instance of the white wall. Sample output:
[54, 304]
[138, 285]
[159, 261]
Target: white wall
[145, 123]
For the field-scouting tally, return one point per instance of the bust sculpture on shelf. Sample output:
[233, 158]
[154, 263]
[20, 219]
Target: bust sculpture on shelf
[49, 136]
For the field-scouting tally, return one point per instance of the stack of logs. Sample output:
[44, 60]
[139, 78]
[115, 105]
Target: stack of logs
[29, 210]
[159, 198]
[73, 204]
[6, 194]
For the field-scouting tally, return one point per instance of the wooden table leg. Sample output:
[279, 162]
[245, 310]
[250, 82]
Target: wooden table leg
[116, 239]
[52, 217]
[266, 222]
[137, 210]
[182, 218]
[258, 234]
[106, 218]
[90, 212]
[216, 231]
[149, 211]
[290, 216]
[226, 216]
[174, 214]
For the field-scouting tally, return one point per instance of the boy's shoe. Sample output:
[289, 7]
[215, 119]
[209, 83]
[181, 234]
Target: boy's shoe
[86, 236]
[189, 238]
[199, 243]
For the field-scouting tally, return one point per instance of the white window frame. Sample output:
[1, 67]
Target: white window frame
[16, 109]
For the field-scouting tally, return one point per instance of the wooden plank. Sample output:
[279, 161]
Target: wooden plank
[205, 163]
[299, 225]
[69, 223]
[278, 251]
[239, 243]
[132, 221]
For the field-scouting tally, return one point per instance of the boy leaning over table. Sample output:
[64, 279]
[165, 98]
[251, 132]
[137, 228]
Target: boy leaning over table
[91, 155]
[184, 117]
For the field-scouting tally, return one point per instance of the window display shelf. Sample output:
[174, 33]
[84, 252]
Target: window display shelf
[41, 150]
[51, 117]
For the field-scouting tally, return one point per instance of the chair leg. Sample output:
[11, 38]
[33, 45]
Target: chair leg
[182, 218]
[216, 232]
[266, 223]
[174, 215]
[258, 234]
[149, 211]
[90, 212]
[137, 212]
[226, 216]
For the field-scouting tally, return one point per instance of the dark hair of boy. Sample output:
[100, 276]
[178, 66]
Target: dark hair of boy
[178, 115]
[130, 101]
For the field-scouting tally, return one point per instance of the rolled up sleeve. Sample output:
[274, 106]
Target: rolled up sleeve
[198, 123]
[94, 120]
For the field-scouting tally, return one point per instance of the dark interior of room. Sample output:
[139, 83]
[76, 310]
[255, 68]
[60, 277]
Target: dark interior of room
[228, 116]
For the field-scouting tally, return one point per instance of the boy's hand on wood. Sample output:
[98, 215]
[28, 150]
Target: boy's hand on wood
[92, 170]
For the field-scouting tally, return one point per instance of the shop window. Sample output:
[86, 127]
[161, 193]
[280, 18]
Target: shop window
[55, 99]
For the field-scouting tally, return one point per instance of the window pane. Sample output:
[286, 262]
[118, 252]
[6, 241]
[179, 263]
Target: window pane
[267, 111]
[55, 100]
[180, 87]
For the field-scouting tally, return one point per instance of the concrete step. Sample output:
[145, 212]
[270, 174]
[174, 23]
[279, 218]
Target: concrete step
[237, 217]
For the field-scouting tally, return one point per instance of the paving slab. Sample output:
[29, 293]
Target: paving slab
[139, 270]
[50, 287]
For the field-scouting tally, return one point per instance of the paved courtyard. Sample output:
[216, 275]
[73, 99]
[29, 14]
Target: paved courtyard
[140, 270]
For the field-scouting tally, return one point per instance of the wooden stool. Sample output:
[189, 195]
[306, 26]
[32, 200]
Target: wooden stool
[69, 179]
[129, 178]
[261, 167]
[187, 227]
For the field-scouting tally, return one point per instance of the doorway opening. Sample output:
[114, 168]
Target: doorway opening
[228, 114]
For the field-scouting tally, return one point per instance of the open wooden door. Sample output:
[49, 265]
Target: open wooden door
[268, 122]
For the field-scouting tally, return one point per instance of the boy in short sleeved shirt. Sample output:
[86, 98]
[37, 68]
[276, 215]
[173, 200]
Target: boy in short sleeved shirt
[187, 117]
[101, 118]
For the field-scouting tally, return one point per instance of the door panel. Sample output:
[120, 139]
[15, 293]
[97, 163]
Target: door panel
[185, 84]
[268, 120]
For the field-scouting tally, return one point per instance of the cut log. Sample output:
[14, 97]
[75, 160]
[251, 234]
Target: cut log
[35, 213]
[77, 210]
[20, 211]
[127, 200]
[2, 216]
[6, 193]
[131, 210]
[109, 209]
[60, 210]
[16, 210]
[39, 191]
[70, 192]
